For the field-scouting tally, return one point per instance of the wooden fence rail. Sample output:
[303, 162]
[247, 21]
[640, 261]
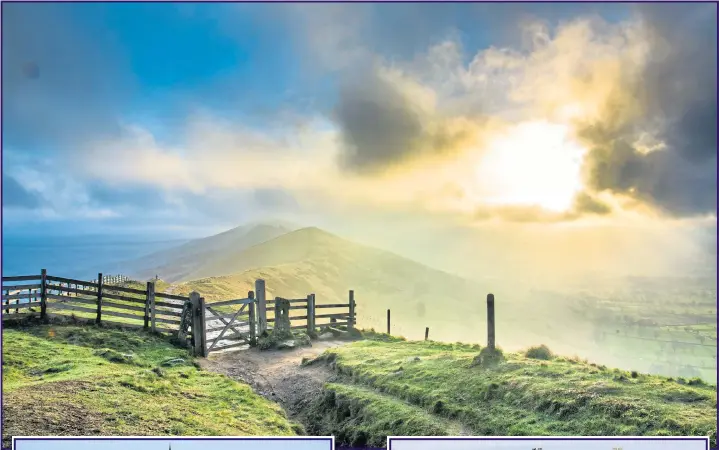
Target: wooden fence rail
[45, 295]
[98, 299]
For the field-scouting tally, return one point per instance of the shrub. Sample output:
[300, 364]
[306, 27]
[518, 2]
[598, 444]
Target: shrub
[488, 357]
[541, 352]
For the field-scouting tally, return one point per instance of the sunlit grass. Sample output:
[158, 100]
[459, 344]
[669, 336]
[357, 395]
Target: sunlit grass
[520, 396]
[73, 380]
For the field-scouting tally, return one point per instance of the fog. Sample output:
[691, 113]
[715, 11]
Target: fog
[609, 293]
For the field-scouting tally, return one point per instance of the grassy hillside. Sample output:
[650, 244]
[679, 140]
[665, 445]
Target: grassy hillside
[180, 262]
[88, 381]
[388, 384]
[658, 325]
[313, 261]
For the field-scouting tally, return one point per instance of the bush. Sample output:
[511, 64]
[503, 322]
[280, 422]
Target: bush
[488, 357]
[541, 352]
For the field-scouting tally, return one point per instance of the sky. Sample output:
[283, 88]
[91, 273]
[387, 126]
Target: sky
[565, 444]
[186, 119]
[180, 444]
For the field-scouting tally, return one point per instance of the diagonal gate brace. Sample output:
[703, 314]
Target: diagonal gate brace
[223, 320]
[219, 338]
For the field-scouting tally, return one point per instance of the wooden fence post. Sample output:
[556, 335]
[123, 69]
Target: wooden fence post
[203, 328]
[282, 316]
[490, 321]
[310, 314]
[150, 305]
[253, 323]
[261, 306]
[388, 322]
[351, 323]
[153, 313]
[197, 323]
[426, 333]
[98, 319]
[43, 293]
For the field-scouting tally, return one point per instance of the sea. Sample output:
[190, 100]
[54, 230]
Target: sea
[78, 257]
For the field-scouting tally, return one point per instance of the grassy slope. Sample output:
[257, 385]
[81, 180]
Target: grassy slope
[519, 397]
[313, 261]
[177, 262]
[70, 380]
[616, 323]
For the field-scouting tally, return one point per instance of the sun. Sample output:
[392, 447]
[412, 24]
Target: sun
[532, 164]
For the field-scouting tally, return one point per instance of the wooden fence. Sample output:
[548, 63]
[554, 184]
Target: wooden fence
[45, 295]
[115, 279]
[306, 315]
[233, 323]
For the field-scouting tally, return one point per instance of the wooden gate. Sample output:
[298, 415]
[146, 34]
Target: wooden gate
[229, 324]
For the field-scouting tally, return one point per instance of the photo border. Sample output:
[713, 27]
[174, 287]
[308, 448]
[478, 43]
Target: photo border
[390, 439]
[331, 439]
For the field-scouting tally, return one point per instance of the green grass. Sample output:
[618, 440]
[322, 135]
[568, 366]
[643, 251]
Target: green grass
[362, 417]
[71, 380]
[520, 395]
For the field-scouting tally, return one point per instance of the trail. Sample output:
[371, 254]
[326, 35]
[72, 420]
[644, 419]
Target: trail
[279, 375]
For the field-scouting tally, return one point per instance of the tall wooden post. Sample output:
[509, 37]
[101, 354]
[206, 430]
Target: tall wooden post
[490, 321]
[351, 323]
[98, 319]
[426, 333]
[261, 306]
[150, 312]
[43, 293]
[197, 323]
[203, 328]
[388, 322]
[310, 314]
[253, 323]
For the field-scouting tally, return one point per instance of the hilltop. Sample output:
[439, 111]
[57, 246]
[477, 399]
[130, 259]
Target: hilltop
[179, 263]
[311, 260]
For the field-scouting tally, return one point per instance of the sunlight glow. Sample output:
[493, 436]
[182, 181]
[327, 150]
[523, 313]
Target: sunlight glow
[533, 164]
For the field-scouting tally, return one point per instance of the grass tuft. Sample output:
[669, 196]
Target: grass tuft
[275, 340]
[541, 352]
[488, 357]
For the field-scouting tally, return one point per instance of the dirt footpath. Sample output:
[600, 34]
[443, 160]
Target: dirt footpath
[277, 374]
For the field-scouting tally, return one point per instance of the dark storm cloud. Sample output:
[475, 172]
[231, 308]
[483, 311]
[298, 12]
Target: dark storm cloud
[678, 95]
[58, 87]
[381, 126]
[14, 195]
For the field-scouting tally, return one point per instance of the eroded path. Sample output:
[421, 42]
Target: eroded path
[277, 374]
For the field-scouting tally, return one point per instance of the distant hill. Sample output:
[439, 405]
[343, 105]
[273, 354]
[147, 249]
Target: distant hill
[311, 260]
[179, 263]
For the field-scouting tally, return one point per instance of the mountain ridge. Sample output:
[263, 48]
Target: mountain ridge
[175, 263]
